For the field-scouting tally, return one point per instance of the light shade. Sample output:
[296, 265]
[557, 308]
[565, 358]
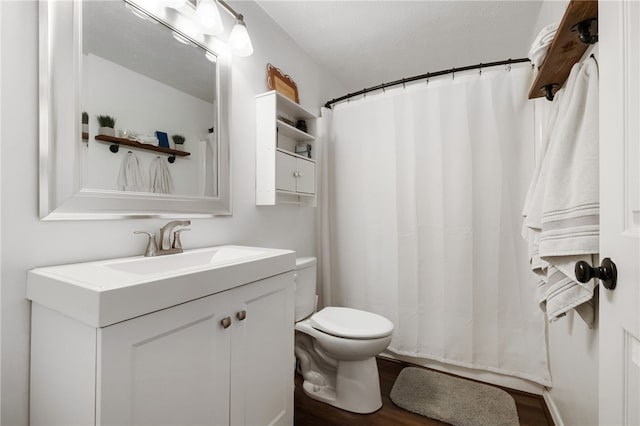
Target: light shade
[239, 39]
[209, 17]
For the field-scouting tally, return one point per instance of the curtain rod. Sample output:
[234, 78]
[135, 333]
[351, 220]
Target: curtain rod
[422, 77]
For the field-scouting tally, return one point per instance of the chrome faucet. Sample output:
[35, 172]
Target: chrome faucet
[171, 247]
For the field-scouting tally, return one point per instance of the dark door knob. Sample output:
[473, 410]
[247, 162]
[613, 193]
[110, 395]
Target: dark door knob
[607, 272]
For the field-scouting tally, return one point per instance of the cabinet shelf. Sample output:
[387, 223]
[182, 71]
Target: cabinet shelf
[144, 146]
[281, 173]
[288, 130]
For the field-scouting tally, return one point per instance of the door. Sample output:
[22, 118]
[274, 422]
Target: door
[619, 24]
[306, 176]
[286, 172]
[170, 367]
[262, 358]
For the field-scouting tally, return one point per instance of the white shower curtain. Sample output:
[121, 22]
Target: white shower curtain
[420, 200]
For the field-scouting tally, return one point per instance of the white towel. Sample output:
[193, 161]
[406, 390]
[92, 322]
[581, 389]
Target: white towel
[160, 176]
[130, 176]
[562, 211]
[541, 44]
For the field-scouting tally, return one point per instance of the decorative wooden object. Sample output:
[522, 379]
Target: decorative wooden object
[566, 48]
[282, 83]
[148, 147]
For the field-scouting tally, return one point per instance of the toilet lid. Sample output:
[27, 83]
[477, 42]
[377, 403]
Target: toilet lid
[351, 323]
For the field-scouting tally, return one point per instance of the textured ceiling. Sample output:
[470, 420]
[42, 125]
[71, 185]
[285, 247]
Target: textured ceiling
[365, 43]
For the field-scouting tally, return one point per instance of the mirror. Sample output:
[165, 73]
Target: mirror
[148, 70]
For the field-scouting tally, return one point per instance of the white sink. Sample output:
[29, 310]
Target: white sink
[203, 258]
[105, 292]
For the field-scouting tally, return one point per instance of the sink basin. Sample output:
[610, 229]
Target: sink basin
[106, 292]
[203, 258]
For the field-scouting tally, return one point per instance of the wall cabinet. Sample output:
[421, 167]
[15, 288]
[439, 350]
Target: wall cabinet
[283, 169]
[222, 359]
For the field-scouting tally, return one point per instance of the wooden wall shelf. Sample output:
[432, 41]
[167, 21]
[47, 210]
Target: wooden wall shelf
[566, 49]
[146, 146]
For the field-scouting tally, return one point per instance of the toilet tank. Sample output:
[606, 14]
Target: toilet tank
[305, 287]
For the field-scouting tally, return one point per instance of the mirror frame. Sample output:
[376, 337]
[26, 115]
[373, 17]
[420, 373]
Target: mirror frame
[60, 69]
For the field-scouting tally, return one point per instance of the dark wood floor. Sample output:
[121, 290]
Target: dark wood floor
[309, 412]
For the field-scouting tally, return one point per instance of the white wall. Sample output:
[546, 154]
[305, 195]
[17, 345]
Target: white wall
[573, 347]
[28, 242]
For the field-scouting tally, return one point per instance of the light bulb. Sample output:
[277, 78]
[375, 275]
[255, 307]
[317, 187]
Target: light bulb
[209, 17]
[239, 39]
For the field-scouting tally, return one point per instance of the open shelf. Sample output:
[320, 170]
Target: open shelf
[288, 130]
[565, 50]
[145, 146]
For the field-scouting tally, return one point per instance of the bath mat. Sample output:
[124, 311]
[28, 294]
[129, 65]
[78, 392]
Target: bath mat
[453, 400]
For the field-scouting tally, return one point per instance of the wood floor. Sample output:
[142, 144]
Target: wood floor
[309, 412]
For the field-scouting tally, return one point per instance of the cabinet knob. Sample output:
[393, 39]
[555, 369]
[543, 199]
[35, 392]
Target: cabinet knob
[241, 315]
[226, 322]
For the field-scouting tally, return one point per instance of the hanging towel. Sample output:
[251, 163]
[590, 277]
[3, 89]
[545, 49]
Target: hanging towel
[130, 176]
[562, 214]
[160, 176]
[541, 44]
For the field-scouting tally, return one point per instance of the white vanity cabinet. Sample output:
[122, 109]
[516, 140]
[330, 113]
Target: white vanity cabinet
[283, 169]
[222, 359]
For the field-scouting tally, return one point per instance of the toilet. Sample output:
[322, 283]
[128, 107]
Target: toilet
[336, 347]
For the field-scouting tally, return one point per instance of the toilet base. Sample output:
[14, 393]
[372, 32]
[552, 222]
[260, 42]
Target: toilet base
[357, 387]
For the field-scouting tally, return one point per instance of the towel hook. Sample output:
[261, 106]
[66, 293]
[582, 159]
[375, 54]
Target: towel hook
[115, 147]
[607, 272]
[584, 31]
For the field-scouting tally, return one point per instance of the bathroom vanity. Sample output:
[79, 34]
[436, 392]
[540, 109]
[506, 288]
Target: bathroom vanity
[199, 338]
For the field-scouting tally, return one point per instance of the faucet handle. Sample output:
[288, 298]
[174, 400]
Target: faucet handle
[177, 244]
[152, 246]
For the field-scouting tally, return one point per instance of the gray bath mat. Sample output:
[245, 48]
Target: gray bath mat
[453, 400]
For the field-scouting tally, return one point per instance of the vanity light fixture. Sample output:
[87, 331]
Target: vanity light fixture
[209, 17]
[239, 38]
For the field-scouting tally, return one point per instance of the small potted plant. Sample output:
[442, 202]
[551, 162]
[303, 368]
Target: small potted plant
[178, 141]
[85, 122]
[107, 124]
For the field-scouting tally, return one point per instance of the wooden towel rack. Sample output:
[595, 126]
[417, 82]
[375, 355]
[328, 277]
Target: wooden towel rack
[577, 30]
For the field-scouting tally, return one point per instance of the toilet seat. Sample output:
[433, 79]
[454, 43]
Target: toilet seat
[351, 323]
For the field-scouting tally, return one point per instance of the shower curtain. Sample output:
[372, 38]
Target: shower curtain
[421, 191]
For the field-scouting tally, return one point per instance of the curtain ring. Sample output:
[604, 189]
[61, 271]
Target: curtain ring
[427, 82]
[364, 94]
[404, 86]
[480, 68]
[453, 74]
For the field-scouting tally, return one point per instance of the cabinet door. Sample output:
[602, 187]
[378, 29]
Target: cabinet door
[170, 367]
[306, 176]
[285, 172]
[262, 357]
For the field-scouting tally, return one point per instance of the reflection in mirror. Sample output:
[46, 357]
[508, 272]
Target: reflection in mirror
[97, 57]
[156, 85]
